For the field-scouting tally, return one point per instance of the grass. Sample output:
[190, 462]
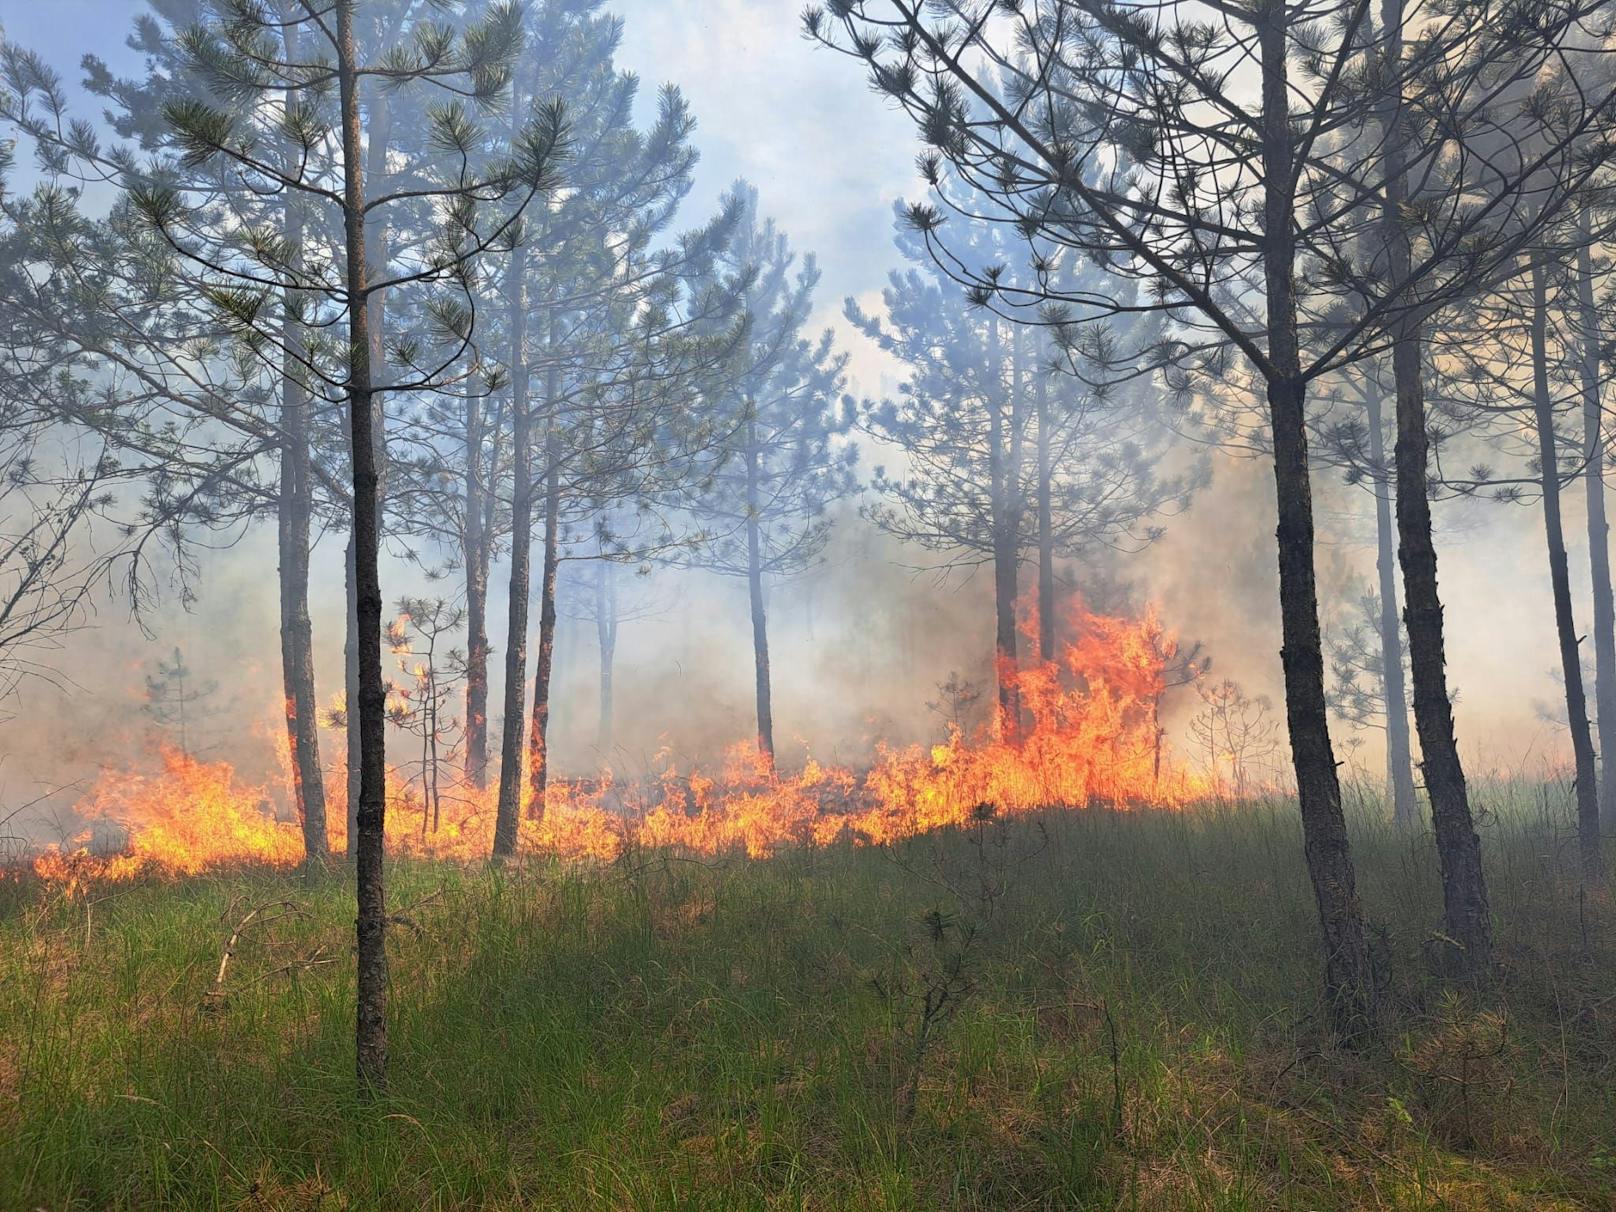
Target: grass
[1090, 1011]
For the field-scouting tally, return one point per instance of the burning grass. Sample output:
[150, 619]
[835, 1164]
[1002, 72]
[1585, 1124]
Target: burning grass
[1135, 1027]
[1091, 736]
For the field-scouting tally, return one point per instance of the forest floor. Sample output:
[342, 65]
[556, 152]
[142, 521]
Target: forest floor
[1094, 1010]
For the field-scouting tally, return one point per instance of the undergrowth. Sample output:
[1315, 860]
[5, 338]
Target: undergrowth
[1085, 1010]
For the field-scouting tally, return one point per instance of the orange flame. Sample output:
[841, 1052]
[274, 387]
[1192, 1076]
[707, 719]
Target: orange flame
[1091, 736]
[190, 817]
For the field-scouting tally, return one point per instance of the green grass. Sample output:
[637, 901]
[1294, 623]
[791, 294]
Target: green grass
[671, 1034]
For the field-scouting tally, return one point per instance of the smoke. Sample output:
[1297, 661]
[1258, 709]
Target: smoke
[1215, 577]
[859, 646]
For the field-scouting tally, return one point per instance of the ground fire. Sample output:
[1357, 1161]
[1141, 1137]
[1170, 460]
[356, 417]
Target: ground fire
[1090, 737]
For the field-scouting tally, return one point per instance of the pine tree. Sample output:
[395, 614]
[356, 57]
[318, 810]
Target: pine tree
[782, 422]
[173, 695]
[587, 342]
[1008, 458]
[1511, 364]
[249, 271]
[198, 418]
[1357, 444]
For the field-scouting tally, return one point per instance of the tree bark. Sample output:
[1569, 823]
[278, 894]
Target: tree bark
[1467, 917]
[508, 813]
[754, 585]
[1593, 442]
[374, 249]
[1005, 553]
[1349, 988]
[1399, 751]
[294, 506]
[1006, 661]
[494, 428]
[1565, 624]
[297, 652]
[473, 543]
[544, 661]
[1046, 524]
[371, 1024]
[350, 692]
[606, 640]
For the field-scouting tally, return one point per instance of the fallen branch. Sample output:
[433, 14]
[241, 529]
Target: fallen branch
[287, 908]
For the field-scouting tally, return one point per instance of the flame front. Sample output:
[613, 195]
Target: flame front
[190, 817]
[1091, 736]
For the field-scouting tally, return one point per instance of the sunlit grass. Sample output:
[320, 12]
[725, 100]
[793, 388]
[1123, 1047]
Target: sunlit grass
[664, 1033]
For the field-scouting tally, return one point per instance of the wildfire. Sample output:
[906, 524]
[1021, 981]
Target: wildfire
[1090, 736]
[188, 818]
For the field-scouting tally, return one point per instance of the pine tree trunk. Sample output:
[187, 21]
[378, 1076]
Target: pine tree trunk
[378, 141]
[473, 542]
[297, 656]
[1467, 917]
[1006, 660]
[1565, 624]
[606, 640]
[754, 585]
[1046, 526]
[350, 692]
[374, 246]
[1005, 553]
[508, 813]
[494, 428]
[1399, 752]
[371, 1024]
[544, 662]
[1593, 444]
[1324, 828]
[1349, 988]
[294, 507]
